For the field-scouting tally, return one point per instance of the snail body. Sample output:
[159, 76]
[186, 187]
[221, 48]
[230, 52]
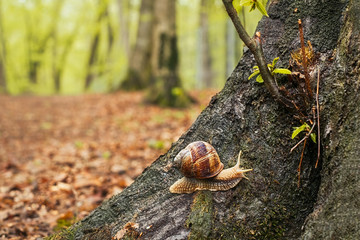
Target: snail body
[203, 170]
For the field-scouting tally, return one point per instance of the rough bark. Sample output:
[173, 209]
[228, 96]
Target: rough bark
[244, 116]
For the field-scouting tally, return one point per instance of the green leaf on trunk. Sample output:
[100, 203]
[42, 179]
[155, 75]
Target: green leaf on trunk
[275, 61]
[261, 8]
[259, 79]
[313, 137]
[282, 71]
[298, 130]
[256, 72]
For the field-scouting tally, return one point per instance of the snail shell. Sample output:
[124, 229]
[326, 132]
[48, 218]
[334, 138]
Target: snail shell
[201, 166]
[199, 160]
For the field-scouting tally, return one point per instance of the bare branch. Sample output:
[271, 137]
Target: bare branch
[318, 116]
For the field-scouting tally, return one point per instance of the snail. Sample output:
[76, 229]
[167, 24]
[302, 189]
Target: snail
[203, 170]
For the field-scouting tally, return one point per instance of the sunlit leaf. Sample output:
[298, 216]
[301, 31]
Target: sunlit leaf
[299, 130]
[256, 72]
[245, 2]
[313, 137]
[255, 67]
[282, 71]
[261, 8]
[252, 8]
[259, 79]
[237, 6]
[275, 61]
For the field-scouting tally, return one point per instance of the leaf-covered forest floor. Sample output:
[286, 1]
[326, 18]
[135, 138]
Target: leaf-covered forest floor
[61, 156]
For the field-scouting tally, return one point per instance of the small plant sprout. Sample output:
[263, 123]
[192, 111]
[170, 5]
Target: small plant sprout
[272, 70]
[303, 128]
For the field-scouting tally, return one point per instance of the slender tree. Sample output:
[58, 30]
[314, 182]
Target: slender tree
[165, 85]
[91, 72]
[59, 58]
[205, 66]
[124, 6]
[139, 71]
[37, 43]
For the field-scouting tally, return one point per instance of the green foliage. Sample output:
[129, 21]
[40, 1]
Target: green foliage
[303, 128]
[313, 137]
[253, 4]
[272, 70]
[297, 130]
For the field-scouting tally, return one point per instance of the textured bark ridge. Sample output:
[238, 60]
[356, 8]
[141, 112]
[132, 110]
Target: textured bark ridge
[243, 116]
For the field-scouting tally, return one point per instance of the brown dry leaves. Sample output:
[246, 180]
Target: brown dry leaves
[60, 157]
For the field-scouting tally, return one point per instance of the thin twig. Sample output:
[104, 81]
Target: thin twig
[304, 61]
[254, 44]
[318, 117]
[299, 167]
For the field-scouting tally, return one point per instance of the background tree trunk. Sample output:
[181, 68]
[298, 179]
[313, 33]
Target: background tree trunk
[205, 71]
[165, 85]
[244, 116]
[139, 66]
[39, 43]
[95, 42]
[124, 6]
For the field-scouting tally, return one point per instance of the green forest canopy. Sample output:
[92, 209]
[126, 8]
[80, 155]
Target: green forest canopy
[45, 43]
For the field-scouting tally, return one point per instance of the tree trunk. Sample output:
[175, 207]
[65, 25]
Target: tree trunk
[94, 45]
[139, 66]
[124, 6]
[205, 71]
[165, 85]
[60, 58]
[244, 116]
[37, 43]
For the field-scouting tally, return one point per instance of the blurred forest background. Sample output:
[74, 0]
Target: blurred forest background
[71, 47]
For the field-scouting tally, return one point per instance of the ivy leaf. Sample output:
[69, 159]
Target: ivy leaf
[259, 79]
[245, 3]
[299, 130]
[256, 72]
[261, 8]
[282, 71]
[313, 137]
